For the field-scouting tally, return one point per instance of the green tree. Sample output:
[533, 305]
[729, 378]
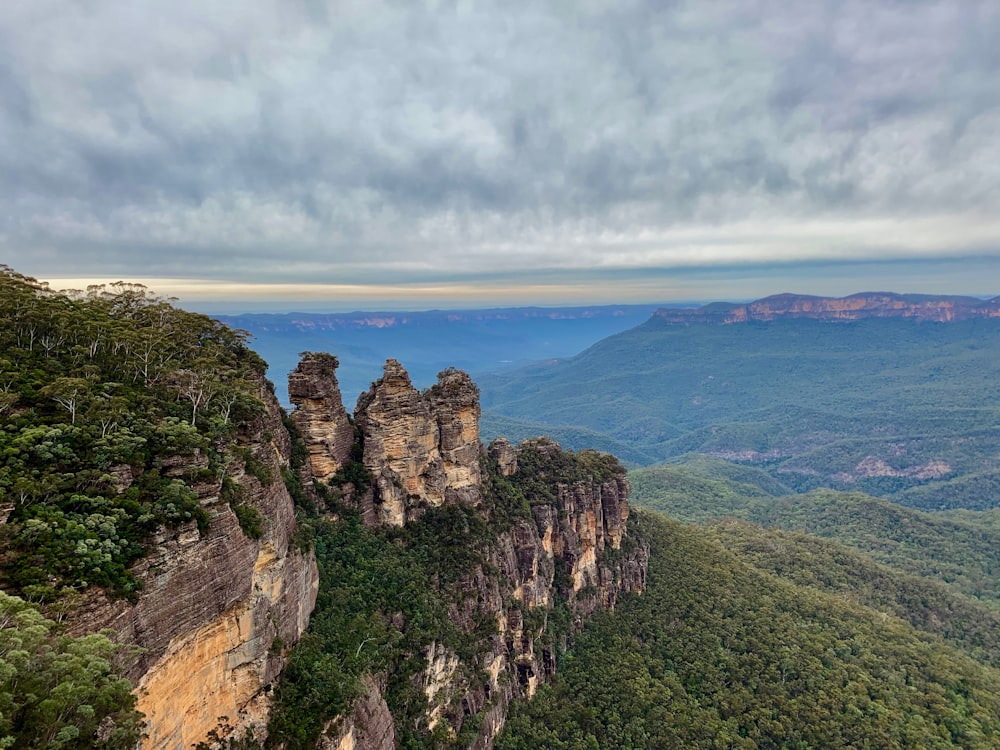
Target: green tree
[57, 691]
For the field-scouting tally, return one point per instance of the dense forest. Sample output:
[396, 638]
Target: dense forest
[721, 653]
[957, 548]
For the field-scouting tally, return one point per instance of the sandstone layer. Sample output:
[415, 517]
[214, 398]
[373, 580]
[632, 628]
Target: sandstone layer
[320, 415]
[422, 449]
[218, 609]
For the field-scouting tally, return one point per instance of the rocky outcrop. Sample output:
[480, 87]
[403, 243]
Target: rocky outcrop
[218, 609]
[369, 726]
[557, 557]
[557, 550]
[838, 309]
[503, 453]
[422, 449]
[320, 415]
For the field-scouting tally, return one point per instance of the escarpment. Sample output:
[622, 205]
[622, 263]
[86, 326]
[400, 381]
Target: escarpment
[521, 545]
[219, 606]
[153, 488]
[923, 307]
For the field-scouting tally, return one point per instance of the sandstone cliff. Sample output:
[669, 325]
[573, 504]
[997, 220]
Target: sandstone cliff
[552, 548]
[421, 449]
[218, 609]
[854, 307]
[320, 415]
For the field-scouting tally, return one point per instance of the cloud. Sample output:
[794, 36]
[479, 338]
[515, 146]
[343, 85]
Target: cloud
[364, 142]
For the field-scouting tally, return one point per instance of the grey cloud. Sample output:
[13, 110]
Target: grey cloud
[308, 135]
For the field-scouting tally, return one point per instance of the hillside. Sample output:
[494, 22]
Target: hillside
[720, 653]
[898, 407]
[960, 548]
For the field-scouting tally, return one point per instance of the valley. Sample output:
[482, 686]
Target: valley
[205, 569]
[896, 405]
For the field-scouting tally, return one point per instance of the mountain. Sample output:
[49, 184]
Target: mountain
[925, 307]
[427, 342]
[901, 407]
[168, 534]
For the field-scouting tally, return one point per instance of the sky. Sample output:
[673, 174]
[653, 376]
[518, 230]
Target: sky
[304, 154]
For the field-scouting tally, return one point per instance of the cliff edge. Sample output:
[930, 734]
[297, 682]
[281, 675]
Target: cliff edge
[533, 540]
[219, 608]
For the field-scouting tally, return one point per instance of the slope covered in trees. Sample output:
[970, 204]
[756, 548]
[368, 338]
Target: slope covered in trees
[99, 391]
[718, 653]
[960, 548]
[892, 407]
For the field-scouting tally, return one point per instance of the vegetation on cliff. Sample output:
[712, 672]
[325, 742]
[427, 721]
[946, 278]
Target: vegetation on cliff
[113, 405]
[390, 595]
[718, 653]
[60, 692]
[118, 412]
[380, 606]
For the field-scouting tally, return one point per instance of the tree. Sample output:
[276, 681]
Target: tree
[57, 691]
[68, 393]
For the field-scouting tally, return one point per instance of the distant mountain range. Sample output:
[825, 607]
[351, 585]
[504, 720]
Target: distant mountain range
[854, 307]
[868, 392]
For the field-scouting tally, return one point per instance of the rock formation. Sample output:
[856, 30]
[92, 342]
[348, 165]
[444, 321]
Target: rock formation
[218, 609]
[422, 449]
[320, 415]
[854, 307]
[550, 553]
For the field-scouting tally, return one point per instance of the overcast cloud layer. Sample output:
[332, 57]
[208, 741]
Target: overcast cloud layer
[365, 142]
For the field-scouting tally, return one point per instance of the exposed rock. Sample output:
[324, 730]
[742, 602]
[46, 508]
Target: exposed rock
[504, 454]
[439, 681]
[213, 604]
[872, 466]
[421, 449]
[854, 307]
[401, 446]
[454, 405]
[369, 726]
[320, 415]
[518, 584]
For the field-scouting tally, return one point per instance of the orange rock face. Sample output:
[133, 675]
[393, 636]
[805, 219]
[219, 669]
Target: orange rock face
[213, 603]
[855, 307]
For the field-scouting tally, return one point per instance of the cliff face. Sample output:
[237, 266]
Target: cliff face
[557, 550]
[320, 415]
[421, 449]
[218, 609]
[854, 307]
